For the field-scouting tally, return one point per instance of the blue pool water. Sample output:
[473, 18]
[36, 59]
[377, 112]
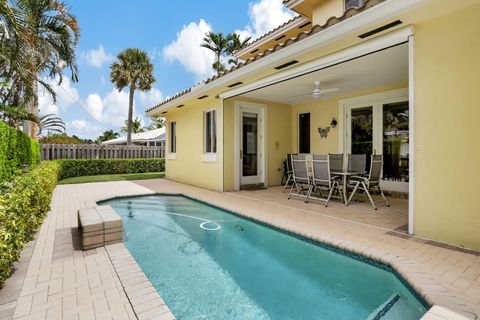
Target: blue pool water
[207, 263]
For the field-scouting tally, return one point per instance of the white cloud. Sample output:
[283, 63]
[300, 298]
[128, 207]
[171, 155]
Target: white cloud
[97, 57]
[83, 128]
[187, 51]
[149, 98]
[265, 15]
[65, 93]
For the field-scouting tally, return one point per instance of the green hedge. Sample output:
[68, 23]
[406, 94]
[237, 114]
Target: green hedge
[16, 148]
[23, 206]
[70, 168]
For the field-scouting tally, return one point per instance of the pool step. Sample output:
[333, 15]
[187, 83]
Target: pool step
[99, 226]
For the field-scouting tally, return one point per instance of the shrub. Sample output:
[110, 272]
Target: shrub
[16, 148]
[70, 168]
[23, 207]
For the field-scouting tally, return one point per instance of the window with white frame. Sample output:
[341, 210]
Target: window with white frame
[353, 4]
[173, 137]
[210, 132]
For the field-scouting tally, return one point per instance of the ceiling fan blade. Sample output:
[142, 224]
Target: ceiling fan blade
[325, 91]
[301, 95]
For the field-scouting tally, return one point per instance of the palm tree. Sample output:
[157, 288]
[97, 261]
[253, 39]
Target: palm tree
[157, 122]
[49, 33]
[132, 69]
[135, 126]
[236, 44]
[50, 122]
[217, 43]
[107, 135]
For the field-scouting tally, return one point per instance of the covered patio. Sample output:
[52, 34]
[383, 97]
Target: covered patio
[356, 106]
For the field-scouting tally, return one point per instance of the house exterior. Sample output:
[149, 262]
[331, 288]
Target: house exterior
[401, 79]
[155, 137]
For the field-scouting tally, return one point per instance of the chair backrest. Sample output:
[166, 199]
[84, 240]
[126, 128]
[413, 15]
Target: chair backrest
[357, 162]
[335, 162]
[321, 170]
[375, 168]
[300, 169]
[289, 162]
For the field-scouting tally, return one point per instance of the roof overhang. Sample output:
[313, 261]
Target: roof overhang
[375, 15]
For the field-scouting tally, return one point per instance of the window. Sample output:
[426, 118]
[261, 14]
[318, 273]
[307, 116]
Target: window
[304, 133]
[210, 132]
[173, 137]
[353, 4]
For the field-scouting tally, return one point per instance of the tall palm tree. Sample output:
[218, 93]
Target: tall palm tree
[135, 126]
[235, 44]
[50, 34]
[132, 69]
[218, 43]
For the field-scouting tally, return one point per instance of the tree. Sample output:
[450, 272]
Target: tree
[132, 69]
[107, 135]
[223, 45]
[50, 122]
[135, 126]
[48, 35]
[217, 43]
[235, 44]
[157, 122]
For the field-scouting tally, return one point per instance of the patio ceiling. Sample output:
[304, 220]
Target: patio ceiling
[389, 66]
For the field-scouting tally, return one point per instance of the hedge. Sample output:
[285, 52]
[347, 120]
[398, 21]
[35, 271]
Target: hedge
[70, 168]
[23, 207]
[16, 149]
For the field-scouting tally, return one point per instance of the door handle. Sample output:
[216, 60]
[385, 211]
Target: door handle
[241, 154]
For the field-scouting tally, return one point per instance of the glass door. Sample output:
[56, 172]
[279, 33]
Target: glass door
[381, 127]
[250, 143]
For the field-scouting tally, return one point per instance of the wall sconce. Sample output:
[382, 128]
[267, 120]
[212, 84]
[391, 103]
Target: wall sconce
[334, 122]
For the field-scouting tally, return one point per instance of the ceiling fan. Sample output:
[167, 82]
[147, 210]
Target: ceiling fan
[318, 91]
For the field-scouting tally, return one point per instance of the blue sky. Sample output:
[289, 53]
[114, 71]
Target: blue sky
[170, 34]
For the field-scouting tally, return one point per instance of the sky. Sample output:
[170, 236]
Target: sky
[170, 32]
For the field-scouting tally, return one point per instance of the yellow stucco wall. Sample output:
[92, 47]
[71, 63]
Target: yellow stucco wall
[321, 113]
[188, 167]
[278, 142]
[447, 114]
[327, 9]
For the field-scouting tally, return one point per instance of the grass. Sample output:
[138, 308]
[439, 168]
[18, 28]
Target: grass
[113, 177]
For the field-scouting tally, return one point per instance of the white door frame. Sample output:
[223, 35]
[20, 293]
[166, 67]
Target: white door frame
[261, 109]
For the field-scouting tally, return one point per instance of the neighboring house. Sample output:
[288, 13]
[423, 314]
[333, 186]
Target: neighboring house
[154, 137]
[407, 74]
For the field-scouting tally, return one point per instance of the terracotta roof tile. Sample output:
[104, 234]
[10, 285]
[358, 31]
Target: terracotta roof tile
[301, 36]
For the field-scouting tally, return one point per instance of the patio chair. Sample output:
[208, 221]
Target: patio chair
[335, 161]
[357, 162]
[323, 179]
[370, 183]
[301, 180]
[288, 172]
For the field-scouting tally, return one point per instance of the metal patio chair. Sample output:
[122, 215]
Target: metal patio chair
[288, 172]
[370, 183]
[323, 180]
[302, 185]
[357, 162]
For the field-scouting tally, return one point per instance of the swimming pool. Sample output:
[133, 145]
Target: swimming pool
[207, 263]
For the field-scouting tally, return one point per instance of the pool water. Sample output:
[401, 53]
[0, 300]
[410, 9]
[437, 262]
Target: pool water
[207, 263]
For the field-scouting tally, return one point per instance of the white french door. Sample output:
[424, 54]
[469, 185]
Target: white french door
[381, 127]
[250, 133]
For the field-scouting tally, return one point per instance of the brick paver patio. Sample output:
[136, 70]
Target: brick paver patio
[63, 282]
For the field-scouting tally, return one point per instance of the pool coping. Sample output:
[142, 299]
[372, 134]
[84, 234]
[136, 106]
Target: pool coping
[440, 303]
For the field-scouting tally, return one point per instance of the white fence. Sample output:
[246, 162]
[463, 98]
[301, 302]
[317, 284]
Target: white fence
[92, 151]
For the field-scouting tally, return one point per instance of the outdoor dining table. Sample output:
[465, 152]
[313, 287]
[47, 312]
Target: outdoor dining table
[346, 174]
